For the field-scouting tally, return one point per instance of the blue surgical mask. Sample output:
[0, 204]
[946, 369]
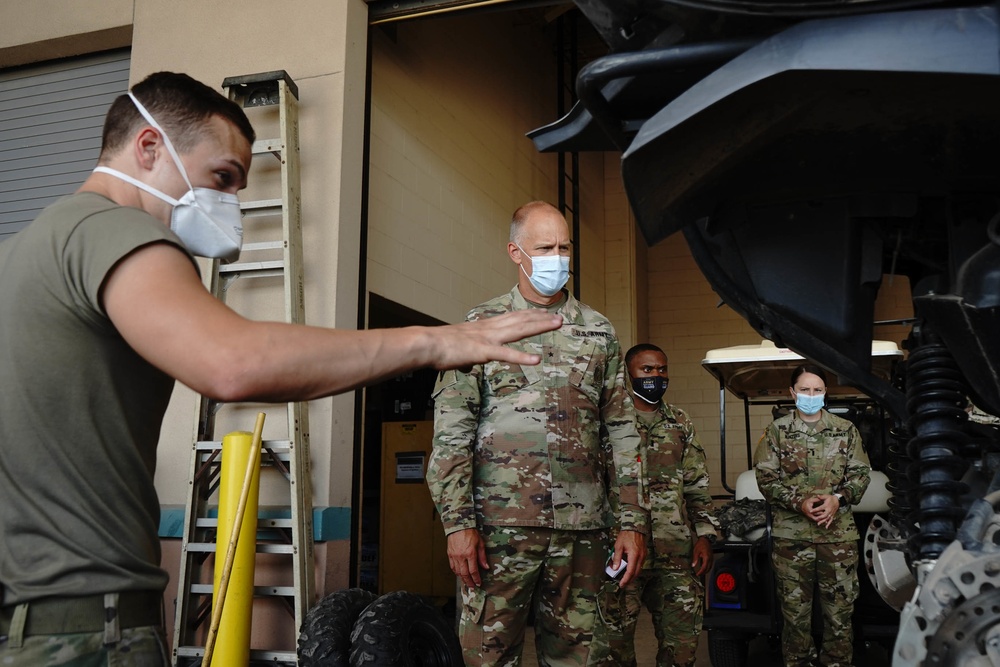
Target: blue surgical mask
[549, 273]
[809, 405]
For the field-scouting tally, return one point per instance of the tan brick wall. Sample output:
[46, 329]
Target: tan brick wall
[624, 257]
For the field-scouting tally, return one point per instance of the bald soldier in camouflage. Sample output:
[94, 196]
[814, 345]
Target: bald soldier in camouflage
[523, 462]
[811, 467]
[682, 526]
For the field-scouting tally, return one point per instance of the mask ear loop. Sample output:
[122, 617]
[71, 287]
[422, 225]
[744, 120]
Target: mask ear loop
[139, 184]
[166, 139]
[522, 263]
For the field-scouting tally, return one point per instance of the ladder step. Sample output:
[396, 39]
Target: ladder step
[262, 146]
[255, 269]
[277, 657]
[263, 523]
[261, 204]
[264, 245]
[209, 548]
[277, 446]
[258, 591]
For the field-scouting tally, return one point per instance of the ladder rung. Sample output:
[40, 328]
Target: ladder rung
[275, 549]
[278, 657]
[262, 548]
[263, 245]
[277, 446]
[274, 657]
[263, 523]
[277, 267]
[262, 146]
[261, 204]
[258, 591]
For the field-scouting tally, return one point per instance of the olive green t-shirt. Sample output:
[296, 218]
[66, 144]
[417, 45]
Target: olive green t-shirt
[80, 411]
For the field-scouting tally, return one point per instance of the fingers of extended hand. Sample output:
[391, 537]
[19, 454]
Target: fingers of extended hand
[462, 345]
[519, 324]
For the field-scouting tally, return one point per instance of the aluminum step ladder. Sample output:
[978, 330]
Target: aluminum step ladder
[272, 254]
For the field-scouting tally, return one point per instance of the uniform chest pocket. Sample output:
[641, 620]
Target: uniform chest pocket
[586, 364]
[794, 458]
[504, 379]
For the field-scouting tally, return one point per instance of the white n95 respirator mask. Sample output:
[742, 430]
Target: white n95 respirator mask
[209, 222]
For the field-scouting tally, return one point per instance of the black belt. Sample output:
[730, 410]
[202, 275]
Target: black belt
[59, 615]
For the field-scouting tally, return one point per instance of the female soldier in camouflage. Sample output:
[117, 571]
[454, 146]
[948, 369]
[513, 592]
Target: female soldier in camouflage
[811, 467]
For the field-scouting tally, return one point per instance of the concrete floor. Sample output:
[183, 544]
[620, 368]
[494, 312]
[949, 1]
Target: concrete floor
[761, 654]
[645, 648]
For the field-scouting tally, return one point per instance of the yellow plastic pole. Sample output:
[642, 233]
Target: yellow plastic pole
[228, 641]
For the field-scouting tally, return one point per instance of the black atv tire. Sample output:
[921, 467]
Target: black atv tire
[727, 650]
[401, 629]
[325, 637]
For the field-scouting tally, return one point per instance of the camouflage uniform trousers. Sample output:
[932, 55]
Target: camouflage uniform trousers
[675, 599]
[137, 647]
[833, 568]
[557, 573]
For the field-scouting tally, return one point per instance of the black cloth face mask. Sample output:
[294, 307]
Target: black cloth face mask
[650, 389]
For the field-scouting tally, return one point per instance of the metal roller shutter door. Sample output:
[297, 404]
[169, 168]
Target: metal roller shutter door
[51, 117]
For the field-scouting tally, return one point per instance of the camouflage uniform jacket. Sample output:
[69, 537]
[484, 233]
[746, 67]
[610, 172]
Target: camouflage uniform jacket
[795, 460]
[675, 477]
[538, 445]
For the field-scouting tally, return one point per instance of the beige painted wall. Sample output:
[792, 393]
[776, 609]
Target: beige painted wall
[451, 102]
[48, 29]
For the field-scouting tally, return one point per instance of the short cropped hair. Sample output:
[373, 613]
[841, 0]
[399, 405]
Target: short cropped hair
[180, 104]
[641, 347]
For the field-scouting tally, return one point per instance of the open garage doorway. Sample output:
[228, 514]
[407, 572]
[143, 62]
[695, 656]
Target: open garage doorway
[401, 539]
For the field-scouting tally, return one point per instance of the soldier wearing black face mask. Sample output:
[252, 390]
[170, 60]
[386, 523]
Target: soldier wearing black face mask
[682, 525]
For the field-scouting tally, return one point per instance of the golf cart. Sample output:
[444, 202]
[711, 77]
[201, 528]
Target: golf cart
[741, 597]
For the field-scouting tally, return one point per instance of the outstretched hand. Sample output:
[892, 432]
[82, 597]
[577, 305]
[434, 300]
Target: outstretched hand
[463, 345]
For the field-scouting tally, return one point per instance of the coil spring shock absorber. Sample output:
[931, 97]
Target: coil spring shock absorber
[899, 469]
[935, 399]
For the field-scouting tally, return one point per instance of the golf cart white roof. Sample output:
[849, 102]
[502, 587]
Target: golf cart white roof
[763, 371]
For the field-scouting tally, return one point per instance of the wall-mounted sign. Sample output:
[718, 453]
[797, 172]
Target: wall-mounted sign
[410, 467]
